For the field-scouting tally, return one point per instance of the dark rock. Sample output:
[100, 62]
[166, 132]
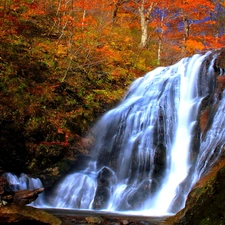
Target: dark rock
[220, 60]
[24, 197]
[8, 198]
[4, 186]
[105, 179]
[142, 192]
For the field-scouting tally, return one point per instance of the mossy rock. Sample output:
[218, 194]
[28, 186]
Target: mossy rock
[205, 203]
[12, 214]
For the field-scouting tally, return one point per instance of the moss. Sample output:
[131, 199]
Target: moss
[205, 204]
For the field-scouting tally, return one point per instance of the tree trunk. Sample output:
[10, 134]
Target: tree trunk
[186, 34]
[161, 32]
[144, 29]
[159, 50]
[145, 18]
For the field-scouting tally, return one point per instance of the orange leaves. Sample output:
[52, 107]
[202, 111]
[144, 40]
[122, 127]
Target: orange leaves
[193, 45]
[33, 9]
[67, 18]
[87, 29]
[14, 15]
[106, 51]
[196, 9]
[213, 42]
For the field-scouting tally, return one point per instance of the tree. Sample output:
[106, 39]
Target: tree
[192, 14]
[215, 27]
[145, 9]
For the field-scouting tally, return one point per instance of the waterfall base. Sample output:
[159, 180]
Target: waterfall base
[69, 216]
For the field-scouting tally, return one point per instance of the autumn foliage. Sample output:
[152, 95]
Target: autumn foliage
[64, 63]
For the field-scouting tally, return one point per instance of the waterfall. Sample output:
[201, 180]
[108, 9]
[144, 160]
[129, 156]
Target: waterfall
[149, 151]
[24, 182]
[144, 156]
[179, 165]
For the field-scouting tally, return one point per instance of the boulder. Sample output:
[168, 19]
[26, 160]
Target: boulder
[105, 180]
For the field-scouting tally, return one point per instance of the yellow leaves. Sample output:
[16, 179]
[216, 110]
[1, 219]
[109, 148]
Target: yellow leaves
[118, 72]
[108, 96]
[62, 50]
[44, 47]
[109, 53]
[193, 45]
[127, 39]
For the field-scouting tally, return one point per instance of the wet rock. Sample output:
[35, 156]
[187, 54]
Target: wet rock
[7, 198]
[24, 197]
[11, 214]
[94, 219]
[142, 192]
[3, 203]
[21, 197]
[125, 222]
[105, 179]
[6, 194]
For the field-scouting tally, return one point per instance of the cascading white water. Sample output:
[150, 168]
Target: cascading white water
[24, 182]
[146, 156]
[187, 112]
[142, 150]
[79, 190]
